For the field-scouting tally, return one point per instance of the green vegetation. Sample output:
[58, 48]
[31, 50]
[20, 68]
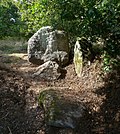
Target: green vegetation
[93, 19]
[13, 45]
[10, 23]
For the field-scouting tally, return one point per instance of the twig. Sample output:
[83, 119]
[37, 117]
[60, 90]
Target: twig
[4, 116]
[9, 130]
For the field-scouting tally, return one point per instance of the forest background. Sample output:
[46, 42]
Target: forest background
[96, 20]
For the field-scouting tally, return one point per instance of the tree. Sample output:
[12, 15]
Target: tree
[92, 19]
[9, 19]
[33, 14]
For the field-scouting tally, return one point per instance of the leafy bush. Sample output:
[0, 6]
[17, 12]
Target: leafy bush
[96, 19]
[10, 22]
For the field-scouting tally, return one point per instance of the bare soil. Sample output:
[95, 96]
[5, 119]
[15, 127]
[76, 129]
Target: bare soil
[21, 114]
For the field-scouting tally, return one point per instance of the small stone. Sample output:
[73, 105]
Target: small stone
[48, 71]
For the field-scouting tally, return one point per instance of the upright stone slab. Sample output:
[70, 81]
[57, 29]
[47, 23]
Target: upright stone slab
[78, 59]
[48, 44]
[83, 54]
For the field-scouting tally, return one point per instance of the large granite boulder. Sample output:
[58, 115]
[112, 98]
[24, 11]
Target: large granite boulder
[61, 109]
[48, 44]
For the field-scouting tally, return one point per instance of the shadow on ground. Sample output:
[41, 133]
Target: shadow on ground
[18, 112]
[107, 121]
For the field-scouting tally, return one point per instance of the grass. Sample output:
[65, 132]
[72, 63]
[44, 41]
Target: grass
[11, 45]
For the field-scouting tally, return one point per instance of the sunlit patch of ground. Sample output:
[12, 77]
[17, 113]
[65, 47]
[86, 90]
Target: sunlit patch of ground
[17, 61]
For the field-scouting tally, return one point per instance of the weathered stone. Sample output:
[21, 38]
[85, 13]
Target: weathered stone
[60, 112]
[78, 59]
[47, 44]
[48, 71]
[83, 53]
[61, 57]
[86, 49]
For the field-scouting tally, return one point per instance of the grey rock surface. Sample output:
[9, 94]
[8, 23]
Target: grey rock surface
[50, 70]
[48, 44]
[60, 112]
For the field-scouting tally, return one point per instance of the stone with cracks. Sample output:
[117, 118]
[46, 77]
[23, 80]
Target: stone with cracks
[50, 70]
[48, 44]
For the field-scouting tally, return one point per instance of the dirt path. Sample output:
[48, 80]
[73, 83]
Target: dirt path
[19, 110]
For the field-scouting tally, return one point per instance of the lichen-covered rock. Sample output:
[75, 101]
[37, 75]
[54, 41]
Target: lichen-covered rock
[83, 53]
[60, 112]
[46, 44]
[50, 70]
[78, 59]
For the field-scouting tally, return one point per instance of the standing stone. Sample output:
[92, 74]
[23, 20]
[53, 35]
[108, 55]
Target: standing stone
[78, 59]
[86, 49]
[83, 54]
[48, 44]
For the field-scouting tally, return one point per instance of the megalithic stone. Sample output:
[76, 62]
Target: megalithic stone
[48, 44]
[78, 59]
